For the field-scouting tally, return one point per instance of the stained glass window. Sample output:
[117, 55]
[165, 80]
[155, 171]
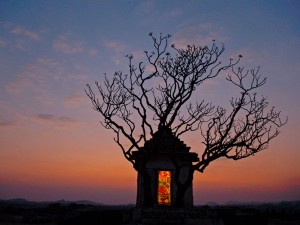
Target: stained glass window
[164, 187]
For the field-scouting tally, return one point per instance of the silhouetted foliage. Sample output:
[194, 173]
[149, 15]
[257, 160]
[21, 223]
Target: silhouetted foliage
[156, 94]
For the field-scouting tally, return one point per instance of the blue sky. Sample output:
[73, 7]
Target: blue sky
[49, 50]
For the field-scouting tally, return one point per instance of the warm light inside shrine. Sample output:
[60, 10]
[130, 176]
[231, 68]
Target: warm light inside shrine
[164, 188]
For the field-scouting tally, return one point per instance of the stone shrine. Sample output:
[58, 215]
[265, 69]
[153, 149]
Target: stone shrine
[164, 167]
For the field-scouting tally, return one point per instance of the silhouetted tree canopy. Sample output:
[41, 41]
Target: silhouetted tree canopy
[157, 93]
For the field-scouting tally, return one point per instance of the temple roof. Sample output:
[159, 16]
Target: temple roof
[163, 144]
[164, 141]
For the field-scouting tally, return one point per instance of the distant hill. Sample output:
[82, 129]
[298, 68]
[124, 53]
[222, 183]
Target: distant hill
[239, 203]
[22, 201]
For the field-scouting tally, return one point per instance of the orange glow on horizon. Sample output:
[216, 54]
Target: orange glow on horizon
[96, 165]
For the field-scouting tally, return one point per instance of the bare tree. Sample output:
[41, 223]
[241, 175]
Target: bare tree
[157, 95]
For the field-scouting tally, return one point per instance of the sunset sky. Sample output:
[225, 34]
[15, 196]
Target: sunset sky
[52, 145]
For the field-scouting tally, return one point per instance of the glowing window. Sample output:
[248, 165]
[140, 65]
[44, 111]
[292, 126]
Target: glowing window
[164, 188]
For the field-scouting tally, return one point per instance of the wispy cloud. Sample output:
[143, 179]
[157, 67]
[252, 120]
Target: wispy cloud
[118, 48]
[115, 45]
[93, 52]
[54, 119]
[76, 99]
[18, 85]
[46, 80]
[64, 45]
[34, 76]
[7, 120]
[7, 123]
[145, 7]
[175, 12]
[2, 42]
[199, 34]
[139, 55]
[25, 32]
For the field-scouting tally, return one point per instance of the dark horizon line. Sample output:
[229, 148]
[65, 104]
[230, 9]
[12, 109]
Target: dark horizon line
[89, 202]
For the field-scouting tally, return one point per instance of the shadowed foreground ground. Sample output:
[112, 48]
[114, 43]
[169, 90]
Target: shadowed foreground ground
[13, 212]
